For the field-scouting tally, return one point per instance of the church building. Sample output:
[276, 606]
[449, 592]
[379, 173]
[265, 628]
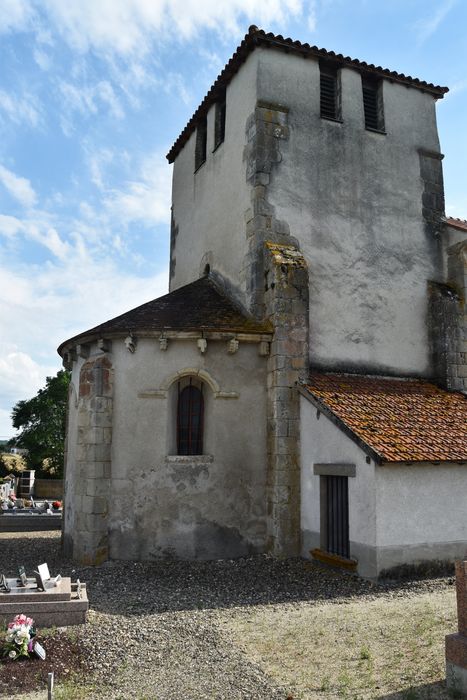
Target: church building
[302, 388]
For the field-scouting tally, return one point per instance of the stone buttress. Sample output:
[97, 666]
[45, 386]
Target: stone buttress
[277, 288]
[93, 462]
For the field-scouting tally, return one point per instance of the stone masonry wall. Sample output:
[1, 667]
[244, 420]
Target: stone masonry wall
[286, 300]
[265, 130]
[277, 289]
[444, 304]
[431, 173]
[457, 360]
[93, 462]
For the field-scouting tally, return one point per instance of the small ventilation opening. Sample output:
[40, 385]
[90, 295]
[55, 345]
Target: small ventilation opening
[201, 139]
[329, 91]
[219, 124]
[372, 104]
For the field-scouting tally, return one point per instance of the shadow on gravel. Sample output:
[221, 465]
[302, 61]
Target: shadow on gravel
[428, 691]
[141, 588]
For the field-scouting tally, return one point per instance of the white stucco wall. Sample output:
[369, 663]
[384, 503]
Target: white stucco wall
[421, 513]
[353, 198]
[209, 205]
[323, 443]
[200, 508]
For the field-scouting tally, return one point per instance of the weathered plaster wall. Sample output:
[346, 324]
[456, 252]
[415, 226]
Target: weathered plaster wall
[203, 507]
[353, 199]
[208, 206]
[421, 513]
[322, 442]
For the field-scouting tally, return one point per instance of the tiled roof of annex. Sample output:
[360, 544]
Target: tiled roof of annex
[400, 420]
[457, 223]
[202, 305]
[259, 38]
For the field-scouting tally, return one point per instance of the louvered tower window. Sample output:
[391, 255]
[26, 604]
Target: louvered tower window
[373, 104]
[190, 419]
[329, 91]
[201, 139]
[219, 125]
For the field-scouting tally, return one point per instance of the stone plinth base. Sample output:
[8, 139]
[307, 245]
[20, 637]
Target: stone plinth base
[456, 662]
[55, 607]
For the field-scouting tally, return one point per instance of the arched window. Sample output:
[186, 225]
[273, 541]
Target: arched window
[190, 419]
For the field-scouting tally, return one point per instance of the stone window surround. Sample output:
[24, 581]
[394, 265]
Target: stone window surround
[202, 374]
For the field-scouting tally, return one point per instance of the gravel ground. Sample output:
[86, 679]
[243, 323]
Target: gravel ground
[161, 630]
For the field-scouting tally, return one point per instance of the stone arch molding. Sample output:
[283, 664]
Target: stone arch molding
[202, 374]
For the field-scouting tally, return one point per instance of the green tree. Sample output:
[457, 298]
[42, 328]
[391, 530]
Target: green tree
[42, 421]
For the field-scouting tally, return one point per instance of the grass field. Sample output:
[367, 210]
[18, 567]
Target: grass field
[391, 648]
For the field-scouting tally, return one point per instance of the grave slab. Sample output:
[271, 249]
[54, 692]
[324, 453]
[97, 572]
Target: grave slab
[55, 607]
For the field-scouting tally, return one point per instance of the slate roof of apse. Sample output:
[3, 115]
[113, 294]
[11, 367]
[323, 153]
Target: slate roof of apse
[257, 37]
[202, 305]
[457, 223]
[399, 420]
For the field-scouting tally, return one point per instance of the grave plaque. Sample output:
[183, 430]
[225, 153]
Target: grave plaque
[22, 578]
[41, 586]
[4, 587]
[43, 570]
[39, 650]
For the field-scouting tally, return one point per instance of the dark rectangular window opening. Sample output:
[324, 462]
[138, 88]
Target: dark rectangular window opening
[201, 140]
[335, 515]
[190, 419]
[373, 104]
[219, 122]
[329, 91]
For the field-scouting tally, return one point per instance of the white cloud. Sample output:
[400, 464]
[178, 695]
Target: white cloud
[146, 199]
[427, 26]
[10, 226]
[457, 88]
[41, 306]
[85, 98]
[311, 15]
[129, 27]
[19, 187]
[43, 60]
[19, 373]
[15, 14]
[20, 109]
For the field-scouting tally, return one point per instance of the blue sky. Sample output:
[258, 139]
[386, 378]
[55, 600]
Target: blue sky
[92, 95]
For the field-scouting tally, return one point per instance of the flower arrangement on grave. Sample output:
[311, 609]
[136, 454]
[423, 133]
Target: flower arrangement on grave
[19, 637]
[56, 504]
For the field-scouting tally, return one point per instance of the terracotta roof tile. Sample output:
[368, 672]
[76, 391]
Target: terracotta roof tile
[257, 37]
[457, 223]
[400, 420]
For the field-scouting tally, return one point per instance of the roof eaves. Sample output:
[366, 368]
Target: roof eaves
[257, 37]
[456, 223]
[323, 408]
